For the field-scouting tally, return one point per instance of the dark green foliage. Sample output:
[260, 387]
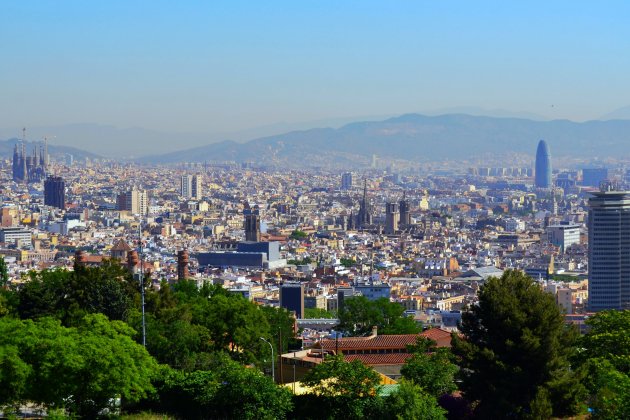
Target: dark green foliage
[359, 314]
[346, 389]
[430, 368]
[186, 323]
[347, 262]
[82, 369]
[70, 295]
[605, 359]
[317, 313]
[516, 351]
[298, 234]
[227, 390]
[4, 273]
[410, 401]
[281, 328]
[303, 261]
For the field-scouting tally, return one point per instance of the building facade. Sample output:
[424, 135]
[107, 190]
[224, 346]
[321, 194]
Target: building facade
[542, 176]
[55, 192]
[609, 250]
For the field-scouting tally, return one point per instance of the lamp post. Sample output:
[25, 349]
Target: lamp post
[273, 373]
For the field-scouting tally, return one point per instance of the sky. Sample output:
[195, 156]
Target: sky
[224, 66]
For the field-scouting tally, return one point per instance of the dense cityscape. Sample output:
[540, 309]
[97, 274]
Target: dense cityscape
[323, 247]
[314, 210]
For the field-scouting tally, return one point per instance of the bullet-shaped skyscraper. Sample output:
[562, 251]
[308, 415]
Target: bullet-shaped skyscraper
[543, 166]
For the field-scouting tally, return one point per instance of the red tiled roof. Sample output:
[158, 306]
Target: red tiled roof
[378, 359]
[441, 337]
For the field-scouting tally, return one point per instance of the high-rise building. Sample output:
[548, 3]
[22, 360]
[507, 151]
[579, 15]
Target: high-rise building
[55, 192]
[346, 181]
[405, 215]
[252, 225]
[542, 176]
[563, 235]
[292, 298]
[191, 186]
[135, 201]
[609, 250]
[392, 216]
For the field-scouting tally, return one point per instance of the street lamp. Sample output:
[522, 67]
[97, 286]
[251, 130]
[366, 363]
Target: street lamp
[273, 373]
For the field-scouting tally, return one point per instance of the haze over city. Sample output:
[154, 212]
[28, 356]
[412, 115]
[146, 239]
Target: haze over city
[205, 72]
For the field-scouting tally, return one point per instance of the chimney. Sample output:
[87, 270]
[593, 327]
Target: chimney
[182, 265]
[374, 331]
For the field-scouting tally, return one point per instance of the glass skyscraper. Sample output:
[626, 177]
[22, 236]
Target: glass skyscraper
[543, 166]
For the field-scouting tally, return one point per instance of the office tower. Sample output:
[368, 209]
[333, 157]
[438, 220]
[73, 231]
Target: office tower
[55, 192]
[405, 215]
[252, 225]
[292, 298]
[593, 177]
[346, 181]
[135, 201]
[191, 186]
[542, 177]
[392, 216]
[609, 250]
[563, 235]
[364, 217]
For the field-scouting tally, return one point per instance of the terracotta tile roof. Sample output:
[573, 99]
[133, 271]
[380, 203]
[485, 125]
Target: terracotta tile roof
[441, 337]
[121, 245]
[378, 359]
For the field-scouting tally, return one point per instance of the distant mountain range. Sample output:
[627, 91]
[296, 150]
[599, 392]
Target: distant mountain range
[420, 137]
[7, 147]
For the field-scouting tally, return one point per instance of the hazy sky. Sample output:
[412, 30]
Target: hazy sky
[223, 66]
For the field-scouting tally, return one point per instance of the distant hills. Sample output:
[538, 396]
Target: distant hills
[7, 147]
[420, 137]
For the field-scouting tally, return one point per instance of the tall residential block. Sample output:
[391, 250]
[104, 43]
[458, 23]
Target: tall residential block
[190, 186]
[609, 250]
[346, 181]
[55, 192]
[135, 201]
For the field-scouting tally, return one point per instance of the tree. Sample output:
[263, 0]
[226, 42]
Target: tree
[515, 344]
[70, 295]
[83, 369]
[317, 313]
[605, 359]
[358, 315]
[4, 273]
[410, 401]
[430, 368]
[227, 390]
[340, 389]
[298, 234]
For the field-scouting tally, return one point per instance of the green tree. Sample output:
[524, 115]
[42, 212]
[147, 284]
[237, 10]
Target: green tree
[347, 262]
[410, 401]
[70, 295]
[298, 234]
[358, 315]
[83, 369]
[4, 273]
[605, 359]
[430, 367]
[342, 389]
[515, 343]
[227, 390]
[317, 313]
